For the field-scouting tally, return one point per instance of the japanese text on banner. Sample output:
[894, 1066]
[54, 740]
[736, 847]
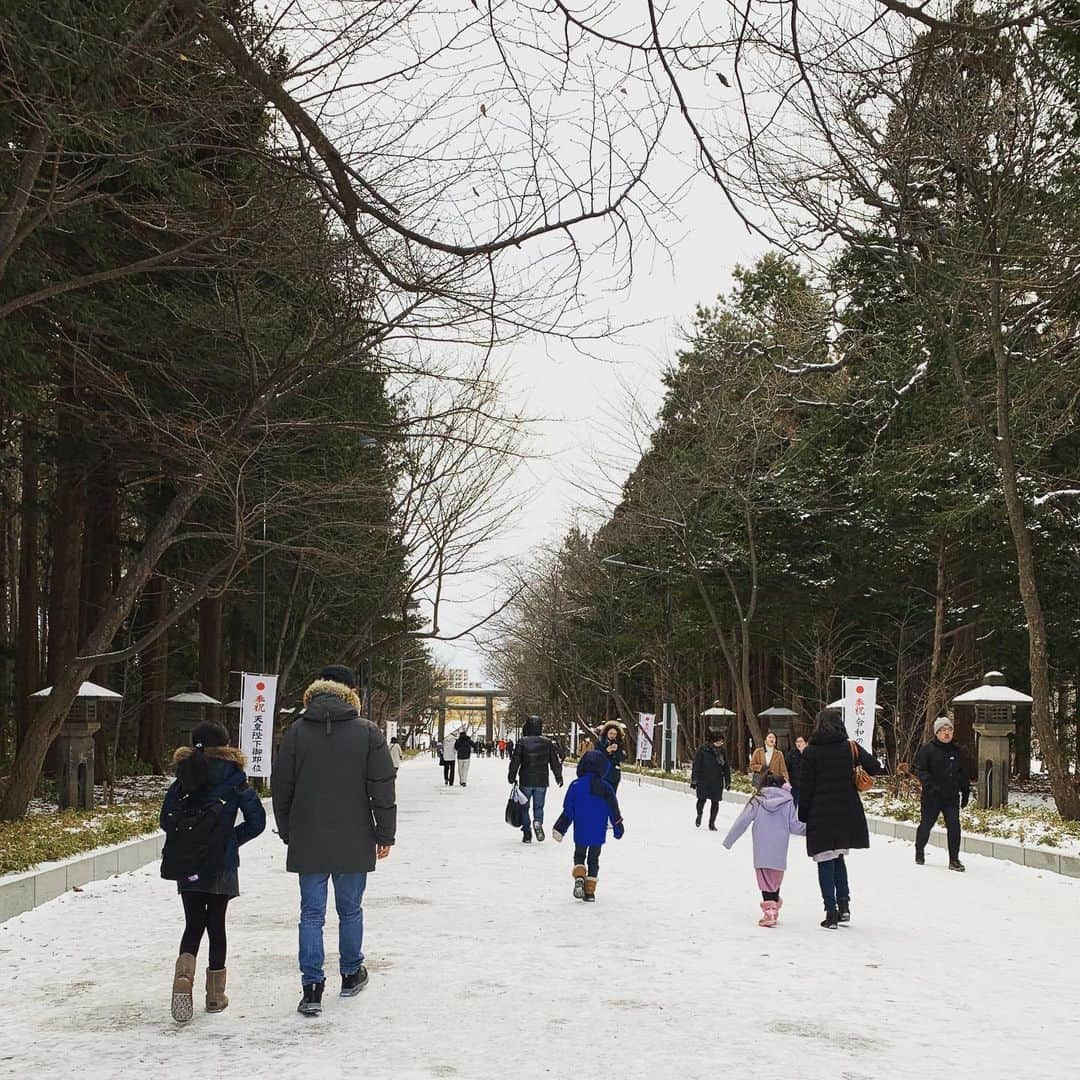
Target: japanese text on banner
[860, 704]
[257, 700]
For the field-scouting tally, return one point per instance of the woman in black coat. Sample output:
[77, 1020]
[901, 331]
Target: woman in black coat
[831, 807]
[709, 775]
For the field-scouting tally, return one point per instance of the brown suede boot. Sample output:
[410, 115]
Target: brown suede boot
[183, 980]
[216, 1001]
[579, 882]
[590, 889]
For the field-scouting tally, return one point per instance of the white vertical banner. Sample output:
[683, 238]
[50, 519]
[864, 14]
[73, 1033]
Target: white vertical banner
[671, 734]
[860, 703]
[257, 698]
[391, 730]
[574, 737]
[646, 726]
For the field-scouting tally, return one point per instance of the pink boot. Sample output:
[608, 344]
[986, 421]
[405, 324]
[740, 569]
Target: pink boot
[779, 905]
[766, 914]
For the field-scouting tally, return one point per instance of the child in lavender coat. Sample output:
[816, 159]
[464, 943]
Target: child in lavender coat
[772, 812]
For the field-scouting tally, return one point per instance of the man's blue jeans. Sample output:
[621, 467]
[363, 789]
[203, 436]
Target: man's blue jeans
[348, 895]
[832, 877]
[536, 796]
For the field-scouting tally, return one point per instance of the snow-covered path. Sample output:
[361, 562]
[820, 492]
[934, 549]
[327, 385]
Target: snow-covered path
[483, 966]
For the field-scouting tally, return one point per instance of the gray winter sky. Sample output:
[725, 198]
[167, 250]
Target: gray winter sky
[584, 436]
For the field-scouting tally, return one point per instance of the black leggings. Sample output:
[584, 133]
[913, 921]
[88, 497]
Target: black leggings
[714, 808]
[205, 911]
[589, 857]
[448, 771]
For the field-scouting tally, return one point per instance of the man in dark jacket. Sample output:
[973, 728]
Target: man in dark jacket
[942, 769]
[793, 760]
[463, 746]
[709, 776]
[333, 787]
[533, 755]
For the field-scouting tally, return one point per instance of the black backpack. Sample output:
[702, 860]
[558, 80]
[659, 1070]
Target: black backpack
[196, 836]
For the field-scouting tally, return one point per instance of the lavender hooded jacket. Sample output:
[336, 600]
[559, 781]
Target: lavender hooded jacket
[773, 815]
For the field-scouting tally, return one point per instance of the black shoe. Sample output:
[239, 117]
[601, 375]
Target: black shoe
[712, 826]
[351, 985]
[526, 838]
[920, 858]
[697, 820]
[956, 864]
[831, 920]
[539, 830]
[311, 1002]
[843, 911]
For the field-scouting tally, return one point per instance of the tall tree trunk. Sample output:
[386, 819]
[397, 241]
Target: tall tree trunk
[154, 663]
[1066, 794]
[211, 616]
[27, 646]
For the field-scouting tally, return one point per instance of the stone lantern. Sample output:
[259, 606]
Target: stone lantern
[781, 723]
[189, 710]
[719, 719]
[75, 746]
[994, 705]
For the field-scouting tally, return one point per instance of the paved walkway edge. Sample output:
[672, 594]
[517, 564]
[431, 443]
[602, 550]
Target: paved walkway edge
[1034, 856]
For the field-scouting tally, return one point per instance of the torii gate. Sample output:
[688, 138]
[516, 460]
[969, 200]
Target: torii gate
[489, 694]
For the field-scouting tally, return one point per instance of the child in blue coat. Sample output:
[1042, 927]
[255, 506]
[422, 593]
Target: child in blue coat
[589, 805]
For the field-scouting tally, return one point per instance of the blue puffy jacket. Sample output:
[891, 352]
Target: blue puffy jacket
[228, 782]
[590, 803]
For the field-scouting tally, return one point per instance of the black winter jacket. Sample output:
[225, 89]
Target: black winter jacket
[943, 770]
[829, 802]
[710, 773]
[533, 755]
[794, 760]
[464, 747]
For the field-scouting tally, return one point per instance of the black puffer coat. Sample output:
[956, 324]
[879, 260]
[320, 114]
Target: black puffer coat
[943, 770]
[533, 755]
[710, 773]
[793, 760]
[829, 802]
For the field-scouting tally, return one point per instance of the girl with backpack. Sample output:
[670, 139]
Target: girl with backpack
[771, 810]
[202, 856]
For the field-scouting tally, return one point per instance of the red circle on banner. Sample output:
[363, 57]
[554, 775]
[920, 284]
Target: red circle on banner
[858, 689]
[262, 686]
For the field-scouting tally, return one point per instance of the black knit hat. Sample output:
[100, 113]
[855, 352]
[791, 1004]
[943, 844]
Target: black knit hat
[339, 673]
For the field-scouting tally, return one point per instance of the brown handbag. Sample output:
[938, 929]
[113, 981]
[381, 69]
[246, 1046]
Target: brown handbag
[863, 780]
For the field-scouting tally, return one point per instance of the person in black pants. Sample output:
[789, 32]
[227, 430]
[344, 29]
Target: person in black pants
[709, 776]
[942, 769]
[793, 760]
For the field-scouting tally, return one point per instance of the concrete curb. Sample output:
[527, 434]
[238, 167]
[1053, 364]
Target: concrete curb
[1031, 855]
[30, 889]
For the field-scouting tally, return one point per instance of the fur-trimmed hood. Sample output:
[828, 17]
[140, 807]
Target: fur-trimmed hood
[232, 754]
[336, 689]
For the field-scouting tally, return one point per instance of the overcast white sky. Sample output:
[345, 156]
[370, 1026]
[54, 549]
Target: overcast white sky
[581, 397]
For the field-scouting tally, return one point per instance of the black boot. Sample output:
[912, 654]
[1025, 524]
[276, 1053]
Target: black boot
[920, 858]
[351, 985]
[832, 919]
[697, 820]
[956, 864]
[843, 911]
[526, 838]
[311, 1002]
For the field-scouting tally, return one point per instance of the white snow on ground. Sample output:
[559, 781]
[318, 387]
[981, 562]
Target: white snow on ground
[484, 967]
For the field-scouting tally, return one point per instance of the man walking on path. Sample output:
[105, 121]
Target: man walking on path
[794, 762]
[463, 747]
[533, 755]
[334, 803]
[449, 759]
[942, 769]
